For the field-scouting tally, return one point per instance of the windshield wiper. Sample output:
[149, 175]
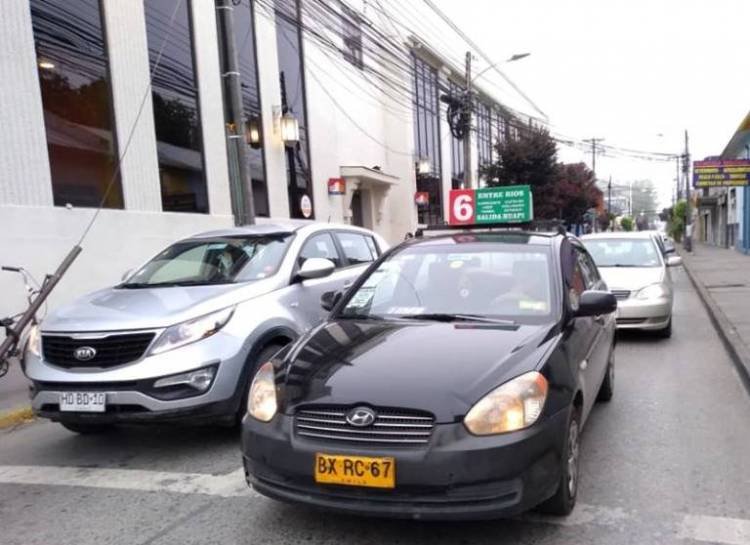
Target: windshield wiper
[360, 317]
[144, 285]
[449, 317]
[623, 265]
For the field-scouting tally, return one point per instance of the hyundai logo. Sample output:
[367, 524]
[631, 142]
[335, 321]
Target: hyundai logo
[361, 417]
[84, 353]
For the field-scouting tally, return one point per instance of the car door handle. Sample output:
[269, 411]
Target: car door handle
[584, 364]
[348, 284]
[600, 319]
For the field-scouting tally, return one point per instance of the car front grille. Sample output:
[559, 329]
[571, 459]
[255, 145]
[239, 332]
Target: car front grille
[621, 294]
[391, 426]
[111, 350]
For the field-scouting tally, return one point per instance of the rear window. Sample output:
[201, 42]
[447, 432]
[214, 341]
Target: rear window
[623, 252]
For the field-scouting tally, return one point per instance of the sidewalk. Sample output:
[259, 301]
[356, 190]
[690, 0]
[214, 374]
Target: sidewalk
[722, 278]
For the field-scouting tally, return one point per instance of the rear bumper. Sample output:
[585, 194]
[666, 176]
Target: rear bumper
[457, 476]
[649, 314]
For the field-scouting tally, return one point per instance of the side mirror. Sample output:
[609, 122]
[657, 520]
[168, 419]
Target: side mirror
[126, 274]
[329, 299]
[594, 303]
[674, 261]
[315, 267]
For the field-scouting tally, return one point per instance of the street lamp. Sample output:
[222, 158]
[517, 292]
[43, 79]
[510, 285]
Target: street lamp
[289, 129]
[516, 57]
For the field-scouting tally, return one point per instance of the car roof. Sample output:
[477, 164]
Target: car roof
[277, 228]
[498, 236]
[620, 234]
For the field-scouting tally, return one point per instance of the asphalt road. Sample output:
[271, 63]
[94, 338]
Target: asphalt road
[667, 461]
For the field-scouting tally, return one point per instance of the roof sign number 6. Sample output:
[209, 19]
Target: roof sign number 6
[462, 206]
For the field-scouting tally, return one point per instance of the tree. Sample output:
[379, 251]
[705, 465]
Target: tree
[677, 223]
[644, 198]
[575, 191]
[530, 159]
[626, 223]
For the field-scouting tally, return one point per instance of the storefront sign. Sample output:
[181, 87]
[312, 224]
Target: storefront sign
[336, 186]
[718, 173]
[507, 204]
[421, 198]
[305, 205]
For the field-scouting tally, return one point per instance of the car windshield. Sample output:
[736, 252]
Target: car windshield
[623, 252]
[221, 260]
[458, 281]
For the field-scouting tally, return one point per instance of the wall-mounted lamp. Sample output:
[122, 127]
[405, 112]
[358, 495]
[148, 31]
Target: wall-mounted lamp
[424, 166]
[289, 129]
[45, 64]
[252, 132]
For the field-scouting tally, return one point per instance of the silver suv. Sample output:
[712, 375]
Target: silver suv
[179, 338]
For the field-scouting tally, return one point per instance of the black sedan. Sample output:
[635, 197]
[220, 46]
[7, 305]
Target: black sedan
[451, 381]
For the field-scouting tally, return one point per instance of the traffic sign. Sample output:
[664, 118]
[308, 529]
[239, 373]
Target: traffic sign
[507, 204]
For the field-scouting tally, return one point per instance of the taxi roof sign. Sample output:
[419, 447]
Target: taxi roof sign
[491, 205]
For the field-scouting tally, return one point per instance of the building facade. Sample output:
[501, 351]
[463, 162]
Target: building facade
[125, 105]
[737, 199]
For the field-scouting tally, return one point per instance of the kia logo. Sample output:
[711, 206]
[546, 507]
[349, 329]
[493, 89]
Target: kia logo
[84, 353]
[360, 417]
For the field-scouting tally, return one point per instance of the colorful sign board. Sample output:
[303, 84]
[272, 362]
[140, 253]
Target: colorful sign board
[718, 173]
[507, 204]
[421, 198]
[336, 186]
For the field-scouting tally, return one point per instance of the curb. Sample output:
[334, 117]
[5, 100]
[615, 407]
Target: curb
[738, 351]
[14, 417]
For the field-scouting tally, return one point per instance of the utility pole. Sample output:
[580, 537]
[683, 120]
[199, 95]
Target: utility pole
[468, 107]
[593, 152]
[245, 210]
[611, 223]
[686, 172]
[677, 179]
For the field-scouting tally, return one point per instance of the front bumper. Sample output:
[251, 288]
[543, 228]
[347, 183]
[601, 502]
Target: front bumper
[457, 476]
[651, 314]
[129, 388]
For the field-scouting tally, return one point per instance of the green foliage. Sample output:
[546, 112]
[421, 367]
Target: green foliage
[560, 191]
[626, 223]
[677, 222]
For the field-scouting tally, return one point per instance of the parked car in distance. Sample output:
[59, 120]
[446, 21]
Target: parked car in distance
[181, 337]
[636, 270]
[451, 381]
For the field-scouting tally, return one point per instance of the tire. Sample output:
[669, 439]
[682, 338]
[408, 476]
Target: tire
[85, 428]
[263, 356]
[564, 500]
[607, 389]
[665, 333]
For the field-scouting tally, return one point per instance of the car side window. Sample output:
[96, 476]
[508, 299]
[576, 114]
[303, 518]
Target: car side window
[588, 272]
[578, 280]
[320, 245]
[356, 249]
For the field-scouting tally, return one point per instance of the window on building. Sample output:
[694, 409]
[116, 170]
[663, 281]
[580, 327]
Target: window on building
[243, 21]
[427, 139]
[292, 80]
[499, 131]
[351, 30]
[73, 70]
[179, 141]
[457, 145]
[484, 134]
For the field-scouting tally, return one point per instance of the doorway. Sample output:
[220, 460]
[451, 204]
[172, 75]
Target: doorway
[356, 207]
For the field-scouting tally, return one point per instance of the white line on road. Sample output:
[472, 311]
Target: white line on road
[227, 485]
[723, 530]
[716, 529]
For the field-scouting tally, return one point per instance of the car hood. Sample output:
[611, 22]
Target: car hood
[114, 309]
[444, 368]
[631, 278]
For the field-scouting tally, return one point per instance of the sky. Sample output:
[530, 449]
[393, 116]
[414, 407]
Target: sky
[627, 71]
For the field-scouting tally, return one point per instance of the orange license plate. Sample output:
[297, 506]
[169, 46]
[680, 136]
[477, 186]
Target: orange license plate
[355, 470]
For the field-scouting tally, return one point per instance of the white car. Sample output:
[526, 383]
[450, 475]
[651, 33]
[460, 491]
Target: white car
[636, 270]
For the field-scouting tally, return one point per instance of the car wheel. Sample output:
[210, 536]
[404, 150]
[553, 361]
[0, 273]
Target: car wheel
[666, 333]
[564, 500]
[260, 359]
[607, 389]
[86, 428]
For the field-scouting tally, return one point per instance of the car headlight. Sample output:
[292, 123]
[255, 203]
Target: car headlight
[261, 402]
[34, 342]
[654, 291]
[513, 406]
[191, 331]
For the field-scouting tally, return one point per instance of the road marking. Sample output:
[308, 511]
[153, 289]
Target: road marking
[228, 485]
[716, 529]
[722, 530]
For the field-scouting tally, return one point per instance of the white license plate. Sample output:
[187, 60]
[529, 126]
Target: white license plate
[83, 402]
